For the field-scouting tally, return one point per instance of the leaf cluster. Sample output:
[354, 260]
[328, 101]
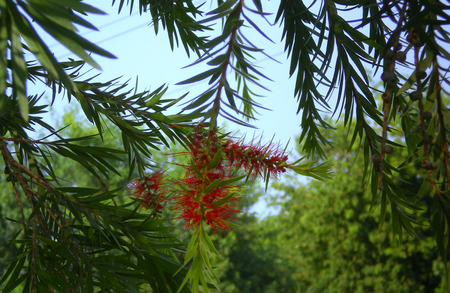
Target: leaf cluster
[229, 52]
[334, 45]
[339, 241]
[88, 243]
[78, 238]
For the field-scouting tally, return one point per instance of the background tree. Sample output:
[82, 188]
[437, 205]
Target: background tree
[70, 233]
[327, 237]
[336, 242]
[252, 262]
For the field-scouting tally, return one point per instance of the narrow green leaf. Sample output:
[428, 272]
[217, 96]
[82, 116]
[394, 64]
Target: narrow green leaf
[225, 6]
[3, 46]
[216, 160]
[208, 189]
[224, 182]
[12, 275]
[192, 247]
[209, 243]
[223, 200]
[19, 71]
[200, 76]
[195, 169]
[200, 100]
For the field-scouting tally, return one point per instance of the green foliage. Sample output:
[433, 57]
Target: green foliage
[335, 242]
[103, 238]
[251, 262]
[59, 21]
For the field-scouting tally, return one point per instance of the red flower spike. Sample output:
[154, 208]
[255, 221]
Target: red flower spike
[148, 191]
[255, 158]
[199, 199]
[190, 210]
[202, 198]
[196, 206]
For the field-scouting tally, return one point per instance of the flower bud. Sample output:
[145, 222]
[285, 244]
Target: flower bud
[415, 96]
[386, 76]
[388, 149]
[398, 46]
[421, 74]
[400, 56]
[376, 159]
[427, 115]
[427, 165]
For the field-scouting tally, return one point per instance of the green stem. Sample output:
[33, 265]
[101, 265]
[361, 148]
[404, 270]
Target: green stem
[223, 75]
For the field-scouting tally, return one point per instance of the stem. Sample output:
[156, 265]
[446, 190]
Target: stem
[426, 142]
[440, 113]
[386, 108]
[442, 126]
[223, 78]
[388, 93]
[19, 170]
[16, 170]
[33, 254]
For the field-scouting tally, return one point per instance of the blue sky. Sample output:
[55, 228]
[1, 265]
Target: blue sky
[140, 53]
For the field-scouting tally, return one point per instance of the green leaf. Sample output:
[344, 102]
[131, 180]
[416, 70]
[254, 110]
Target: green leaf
[200, 76]
[224, 200]
[200, 100]
[19, 71]
[12, 274]
[216, 160]
[317, 171]
[225, 182]
[206, 239]
[66, 36]
[3, 65]
[192, 247]
[195, 169]
[210, 187]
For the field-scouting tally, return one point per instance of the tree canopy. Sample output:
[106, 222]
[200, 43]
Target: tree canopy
[73, 237]
[327, 237]
[336, 241]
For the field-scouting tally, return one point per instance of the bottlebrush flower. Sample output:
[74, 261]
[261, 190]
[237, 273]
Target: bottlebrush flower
[200, 200]
[206, 193]
[148, 191]
[261, 160]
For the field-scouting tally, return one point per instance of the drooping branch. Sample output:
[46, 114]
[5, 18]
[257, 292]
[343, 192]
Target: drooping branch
[226, 63]
[390, 80]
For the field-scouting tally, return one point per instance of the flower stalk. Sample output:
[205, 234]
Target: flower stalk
[148, 191]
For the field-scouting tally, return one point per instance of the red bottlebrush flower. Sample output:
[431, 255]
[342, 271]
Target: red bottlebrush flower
[216, 217]
[203, 147]
[189, 209]
[260, 160]
[148, 190]
[196, 204]
[202, 196]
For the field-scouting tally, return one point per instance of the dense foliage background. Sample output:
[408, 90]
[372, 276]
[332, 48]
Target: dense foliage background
[135, 191]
